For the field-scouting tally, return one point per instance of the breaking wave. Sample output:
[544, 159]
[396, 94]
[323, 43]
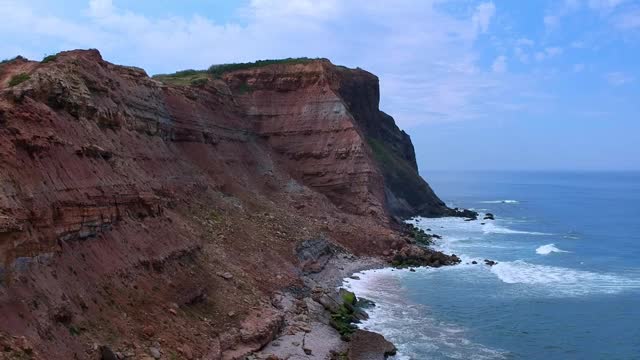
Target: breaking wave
[562, 281]
[548, 249]
[408, 325]
[490, 228]
[500, 202]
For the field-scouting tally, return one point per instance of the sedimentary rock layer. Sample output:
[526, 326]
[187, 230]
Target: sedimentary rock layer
[137, 215]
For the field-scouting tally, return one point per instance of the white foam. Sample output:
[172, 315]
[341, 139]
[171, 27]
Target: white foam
[500, 202]
[560, 281]
[455, 227]
[408, 325]
[491, 228]
[548, 249]
[541, 279]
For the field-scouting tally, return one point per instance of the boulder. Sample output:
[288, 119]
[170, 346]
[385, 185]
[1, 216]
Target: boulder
[154, 352]
[366, 345]
[225, 275]
[107, 354]
[414, 256]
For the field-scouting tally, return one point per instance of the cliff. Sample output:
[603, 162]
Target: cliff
[325, 118]
[135, 210]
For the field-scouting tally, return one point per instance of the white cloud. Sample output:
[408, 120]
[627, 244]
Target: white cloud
[551, 21]
[578, 44]
[499, 64]
[572, 4]
[482, 16]
[426, 57]
[548, 53]
[521, 55]
[629, 20]
[525, 42]
[100, 8]
[605, 5]
[618, 78]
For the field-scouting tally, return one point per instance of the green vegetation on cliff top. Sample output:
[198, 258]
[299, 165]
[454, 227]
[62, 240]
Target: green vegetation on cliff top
[199, 77]
[49, 58]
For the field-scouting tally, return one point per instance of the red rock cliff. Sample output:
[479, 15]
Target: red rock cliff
[132, 210]
[325, 119]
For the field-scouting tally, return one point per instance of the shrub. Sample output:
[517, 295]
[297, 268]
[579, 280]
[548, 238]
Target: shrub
[244, 88]
[49, 58]
[218, 70]
[193, 77]
[184, 78]
[18, 79]
[199, 82]
[9, 60]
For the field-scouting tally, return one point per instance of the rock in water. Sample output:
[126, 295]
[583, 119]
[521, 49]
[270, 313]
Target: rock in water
[366, 345]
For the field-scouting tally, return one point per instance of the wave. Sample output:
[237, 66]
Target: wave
[548, 249]
[561, 281]
[551, 281]
[456, 225]
[490, 228]
[500, 202]
[408, 325]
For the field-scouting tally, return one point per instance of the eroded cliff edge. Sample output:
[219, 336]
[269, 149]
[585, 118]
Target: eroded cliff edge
[134, 211]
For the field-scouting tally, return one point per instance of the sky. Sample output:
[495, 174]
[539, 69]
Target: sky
[479, 85]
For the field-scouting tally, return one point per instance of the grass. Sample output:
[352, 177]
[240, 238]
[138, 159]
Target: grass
[218, 70]
[49, 58]
[199, 81]
[344, 318]
[349, 298]
[18, 79]
[9, 60]
[193, 77]
[185, 78]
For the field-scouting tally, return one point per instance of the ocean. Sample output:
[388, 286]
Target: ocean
[567, 282]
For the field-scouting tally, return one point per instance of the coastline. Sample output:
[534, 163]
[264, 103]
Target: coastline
[319, 319]
[308, 333]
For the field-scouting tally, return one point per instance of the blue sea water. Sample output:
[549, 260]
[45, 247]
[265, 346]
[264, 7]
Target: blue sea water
[567, 283]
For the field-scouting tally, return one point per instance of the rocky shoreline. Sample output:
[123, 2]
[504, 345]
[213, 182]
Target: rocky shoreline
[320, 320]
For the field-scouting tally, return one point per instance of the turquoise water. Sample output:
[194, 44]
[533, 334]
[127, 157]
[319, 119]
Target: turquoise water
[567, 283]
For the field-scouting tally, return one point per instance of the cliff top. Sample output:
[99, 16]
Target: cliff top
[16, 70]
[198, 77]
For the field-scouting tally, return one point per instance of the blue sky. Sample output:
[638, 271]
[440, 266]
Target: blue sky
[478, 84]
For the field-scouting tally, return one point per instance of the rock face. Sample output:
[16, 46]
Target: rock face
[366, 345]
[325, 120]
[122, 197]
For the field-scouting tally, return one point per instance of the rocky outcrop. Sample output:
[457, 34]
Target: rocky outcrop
[367, 345]
[325, 120]
[419, 256]
[122, 197]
